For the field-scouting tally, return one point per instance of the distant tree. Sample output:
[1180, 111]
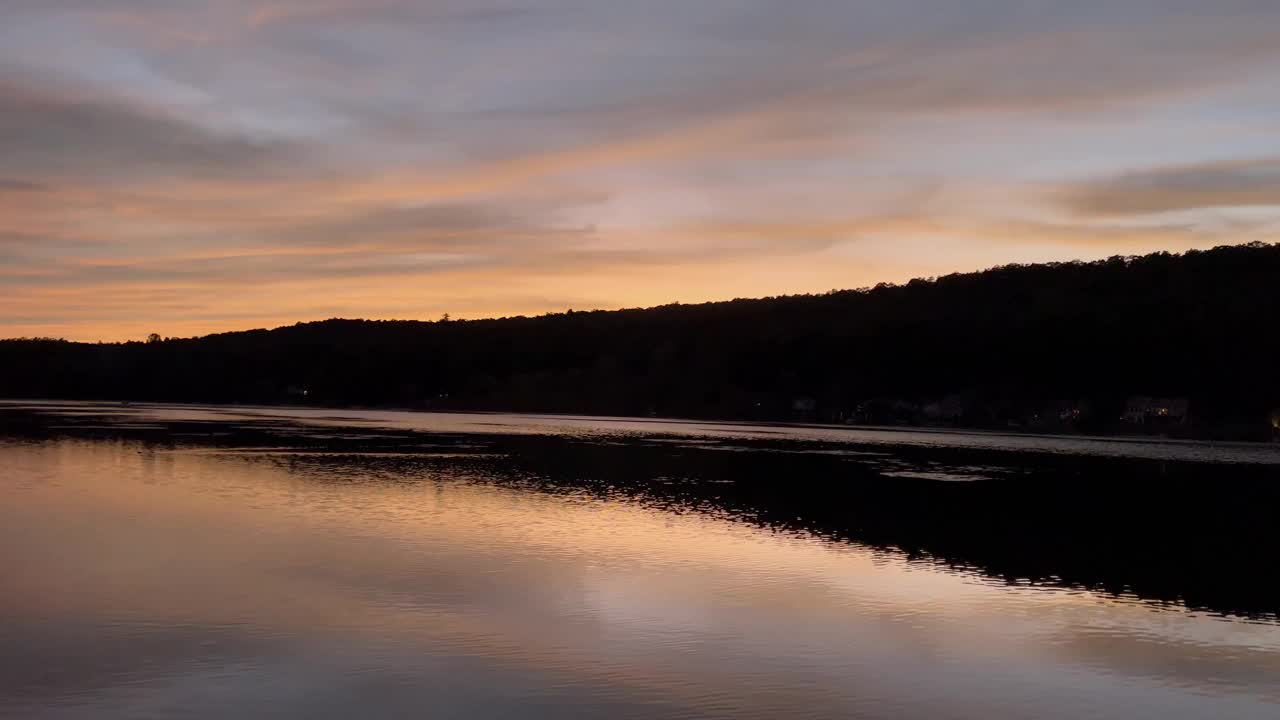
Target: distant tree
[154, 338]
[444, 317]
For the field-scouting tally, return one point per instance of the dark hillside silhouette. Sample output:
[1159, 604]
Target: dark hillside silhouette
[1176, 344]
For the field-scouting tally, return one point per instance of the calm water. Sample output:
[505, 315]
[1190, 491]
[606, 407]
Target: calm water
[165, 561]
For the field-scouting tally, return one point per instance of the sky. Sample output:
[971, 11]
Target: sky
[194, 166]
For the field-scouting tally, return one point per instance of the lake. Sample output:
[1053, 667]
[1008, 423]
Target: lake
[215, 562]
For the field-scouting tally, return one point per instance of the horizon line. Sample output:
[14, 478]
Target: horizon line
[448, 317]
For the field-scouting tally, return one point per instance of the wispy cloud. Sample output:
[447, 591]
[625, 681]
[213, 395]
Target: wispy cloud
[1184, 187]
[281, 12]
[19, 186]
[47, 134]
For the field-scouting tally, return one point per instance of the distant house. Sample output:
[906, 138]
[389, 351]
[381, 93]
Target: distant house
[1070, 413]
[1275, 424]
[1145, 410]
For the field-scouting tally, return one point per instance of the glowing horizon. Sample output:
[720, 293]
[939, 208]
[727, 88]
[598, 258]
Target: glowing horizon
[195, 167]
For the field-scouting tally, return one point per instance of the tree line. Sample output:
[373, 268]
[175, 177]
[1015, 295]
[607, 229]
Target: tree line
[1058, 345]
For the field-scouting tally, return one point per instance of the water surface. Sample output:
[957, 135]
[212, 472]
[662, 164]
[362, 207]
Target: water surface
[183, 561]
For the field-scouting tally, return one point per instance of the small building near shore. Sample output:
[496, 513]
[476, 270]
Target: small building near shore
[1146, 410]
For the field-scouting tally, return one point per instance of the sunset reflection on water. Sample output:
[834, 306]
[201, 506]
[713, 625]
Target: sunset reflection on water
[147, 579]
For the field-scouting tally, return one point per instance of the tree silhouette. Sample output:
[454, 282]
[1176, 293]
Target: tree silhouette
[1062, 344]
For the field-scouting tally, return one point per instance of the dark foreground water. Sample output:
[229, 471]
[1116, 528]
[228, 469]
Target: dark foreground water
[163, 561]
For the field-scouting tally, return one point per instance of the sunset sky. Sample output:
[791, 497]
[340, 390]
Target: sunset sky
[193, 166]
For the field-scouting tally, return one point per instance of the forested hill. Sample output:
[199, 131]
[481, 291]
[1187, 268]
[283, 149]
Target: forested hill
[1063, 344]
